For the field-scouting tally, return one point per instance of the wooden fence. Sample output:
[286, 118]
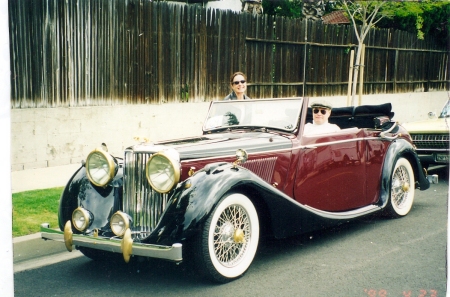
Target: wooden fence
[108, 52]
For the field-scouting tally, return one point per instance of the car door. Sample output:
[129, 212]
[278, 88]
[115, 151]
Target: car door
[331, 171]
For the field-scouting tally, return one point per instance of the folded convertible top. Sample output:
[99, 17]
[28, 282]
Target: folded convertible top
[357, 116]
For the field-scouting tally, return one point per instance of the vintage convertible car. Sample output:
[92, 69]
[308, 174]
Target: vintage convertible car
[250, 174]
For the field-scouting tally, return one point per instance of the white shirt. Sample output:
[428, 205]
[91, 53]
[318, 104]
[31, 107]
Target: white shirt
[320, 129]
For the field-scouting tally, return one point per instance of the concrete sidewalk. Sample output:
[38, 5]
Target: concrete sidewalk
[42, 178]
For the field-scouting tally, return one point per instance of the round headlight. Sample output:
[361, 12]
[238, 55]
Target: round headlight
[163, 171]
[100, 167]
[81, 218]
[119, 223]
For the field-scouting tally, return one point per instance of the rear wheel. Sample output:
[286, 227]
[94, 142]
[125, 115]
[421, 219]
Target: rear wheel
[229, 239]
[402, 189]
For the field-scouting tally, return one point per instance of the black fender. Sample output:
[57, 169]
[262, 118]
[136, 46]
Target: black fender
[195, 198]
[102, 202]
[192, 202]
[400, 148]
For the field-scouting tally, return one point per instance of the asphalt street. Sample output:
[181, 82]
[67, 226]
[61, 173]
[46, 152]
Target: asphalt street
[372, 256]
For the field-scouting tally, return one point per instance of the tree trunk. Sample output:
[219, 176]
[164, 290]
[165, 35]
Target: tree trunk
[356, 71]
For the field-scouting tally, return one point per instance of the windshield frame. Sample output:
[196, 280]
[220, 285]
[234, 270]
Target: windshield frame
[253, 114]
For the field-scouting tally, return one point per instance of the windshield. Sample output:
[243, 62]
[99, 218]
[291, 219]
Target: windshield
[282, 114]
[446, 110]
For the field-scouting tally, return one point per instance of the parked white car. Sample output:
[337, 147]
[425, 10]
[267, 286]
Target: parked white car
[431, 137]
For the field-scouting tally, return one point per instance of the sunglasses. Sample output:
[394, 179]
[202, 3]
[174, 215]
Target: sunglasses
[239, 81]
[322, 111]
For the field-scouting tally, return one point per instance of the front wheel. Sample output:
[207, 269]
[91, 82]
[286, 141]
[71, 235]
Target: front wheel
[229, 239]
[402, 189]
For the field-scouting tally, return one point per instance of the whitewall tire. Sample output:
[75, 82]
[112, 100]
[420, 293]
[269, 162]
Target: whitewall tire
[229, 239]
[402, 189]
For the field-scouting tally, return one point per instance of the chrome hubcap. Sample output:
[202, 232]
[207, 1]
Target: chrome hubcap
[231, 235]
[400, 186]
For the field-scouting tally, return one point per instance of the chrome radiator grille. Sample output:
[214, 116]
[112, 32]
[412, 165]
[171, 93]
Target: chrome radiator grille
[431, 141]
[140, 201]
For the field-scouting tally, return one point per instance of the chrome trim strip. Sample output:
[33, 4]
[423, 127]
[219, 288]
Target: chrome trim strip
[234, 156]
[315, 145]
[172, 253]
[432, 150]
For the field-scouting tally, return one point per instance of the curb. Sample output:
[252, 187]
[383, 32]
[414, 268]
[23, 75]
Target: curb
[26, 238]
[47, 260]
[31, 251]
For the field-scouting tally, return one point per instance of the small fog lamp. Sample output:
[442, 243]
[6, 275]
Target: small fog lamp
[81, 219]
[119, 223]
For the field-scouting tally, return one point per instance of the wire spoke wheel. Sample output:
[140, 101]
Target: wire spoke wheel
[402, 189]
[400, 186]
[229, 239]
[231, 235]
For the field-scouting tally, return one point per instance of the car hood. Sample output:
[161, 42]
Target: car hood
[220, 144]
[434, 126]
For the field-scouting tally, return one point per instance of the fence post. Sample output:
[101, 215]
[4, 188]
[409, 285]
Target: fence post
[304, 58]
[394, 80]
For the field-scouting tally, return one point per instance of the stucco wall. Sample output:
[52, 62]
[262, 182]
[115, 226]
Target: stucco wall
[47, 137]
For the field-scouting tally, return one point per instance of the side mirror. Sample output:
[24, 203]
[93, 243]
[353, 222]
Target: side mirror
[431, 115]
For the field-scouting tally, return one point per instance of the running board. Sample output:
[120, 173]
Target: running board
[351, 214]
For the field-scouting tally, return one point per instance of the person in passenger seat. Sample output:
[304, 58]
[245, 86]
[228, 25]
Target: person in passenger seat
[321, 112]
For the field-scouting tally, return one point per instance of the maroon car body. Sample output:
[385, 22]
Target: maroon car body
[251, 173]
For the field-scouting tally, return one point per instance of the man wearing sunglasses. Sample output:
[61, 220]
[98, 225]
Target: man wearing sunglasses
[238, 84]
[321, 111]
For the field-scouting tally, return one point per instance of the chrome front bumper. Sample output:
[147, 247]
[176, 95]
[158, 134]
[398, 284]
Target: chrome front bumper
[124, 245]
